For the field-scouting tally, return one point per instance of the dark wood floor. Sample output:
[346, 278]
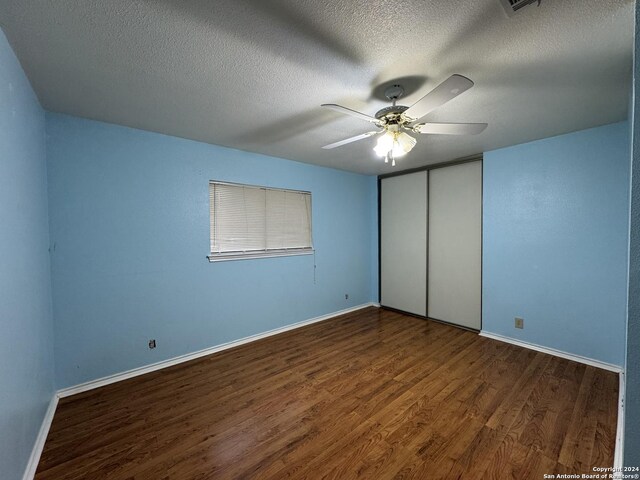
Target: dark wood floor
[373, 394]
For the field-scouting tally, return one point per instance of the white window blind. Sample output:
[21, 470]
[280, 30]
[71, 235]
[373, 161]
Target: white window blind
[250, 221]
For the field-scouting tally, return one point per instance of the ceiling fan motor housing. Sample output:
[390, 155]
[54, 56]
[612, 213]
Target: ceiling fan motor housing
[394, 110]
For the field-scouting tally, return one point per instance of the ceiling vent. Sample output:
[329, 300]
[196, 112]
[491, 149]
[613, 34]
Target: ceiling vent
[514, 6]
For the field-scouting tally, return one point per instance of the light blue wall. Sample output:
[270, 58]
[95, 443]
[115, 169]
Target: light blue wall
[26, 329]
[632, 395]
[555, 239]
[129, 227]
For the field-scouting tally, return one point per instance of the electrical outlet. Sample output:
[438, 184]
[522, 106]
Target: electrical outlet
[346, 296]
[519, 322]
[152, 343]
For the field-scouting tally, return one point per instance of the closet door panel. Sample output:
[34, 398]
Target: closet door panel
[403, 242]
[455, 244]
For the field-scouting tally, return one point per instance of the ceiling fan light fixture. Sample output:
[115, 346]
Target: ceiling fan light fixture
[384, 145]
[394, 144]
[406, 142]
[397, 150]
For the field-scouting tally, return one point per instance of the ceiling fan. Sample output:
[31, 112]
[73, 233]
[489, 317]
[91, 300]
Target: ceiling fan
[395, 121]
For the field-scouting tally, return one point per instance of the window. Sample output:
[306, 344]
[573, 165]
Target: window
[248, 221]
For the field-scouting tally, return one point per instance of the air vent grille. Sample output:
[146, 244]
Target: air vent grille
[513, 6]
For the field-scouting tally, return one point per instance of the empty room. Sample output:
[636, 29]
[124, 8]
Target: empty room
[277, 239]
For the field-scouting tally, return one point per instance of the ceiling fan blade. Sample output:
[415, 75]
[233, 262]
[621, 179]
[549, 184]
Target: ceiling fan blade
[349, 140]
[353, 113]
[447, 90]
[451, 128]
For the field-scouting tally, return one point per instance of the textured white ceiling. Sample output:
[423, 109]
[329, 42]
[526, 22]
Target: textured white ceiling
[251, 74]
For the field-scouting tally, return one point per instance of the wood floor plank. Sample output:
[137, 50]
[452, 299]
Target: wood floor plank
[579, 425]
[371, 394]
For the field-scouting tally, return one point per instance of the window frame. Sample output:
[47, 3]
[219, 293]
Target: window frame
[266, 253]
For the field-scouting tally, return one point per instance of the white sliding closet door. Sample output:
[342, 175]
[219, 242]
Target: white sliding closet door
[403, 242]
[455, 244]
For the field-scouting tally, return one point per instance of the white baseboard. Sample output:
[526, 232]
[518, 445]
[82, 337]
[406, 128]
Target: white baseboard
[36, 452]
[553, 351]
[618, 455]
[100, 382]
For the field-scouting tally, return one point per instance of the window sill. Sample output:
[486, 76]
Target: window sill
[225, 257]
